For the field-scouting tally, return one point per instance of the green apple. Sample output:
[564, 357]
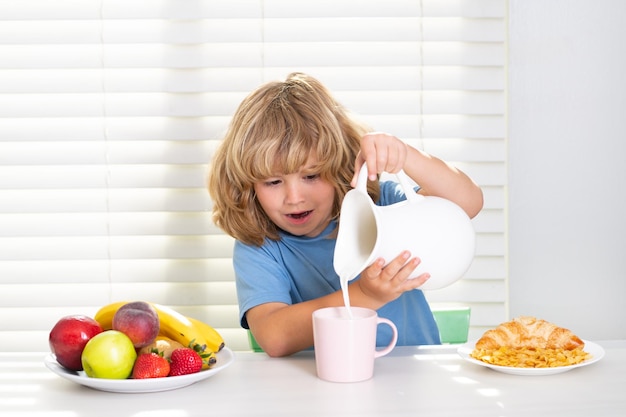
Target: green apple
[109, 355]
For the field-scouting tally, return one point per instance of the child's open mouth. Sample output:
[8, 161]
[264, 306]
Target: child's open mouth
[300, 215]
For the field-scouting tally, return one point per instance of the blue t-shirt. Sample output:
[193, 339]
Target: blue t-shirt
[296, 269]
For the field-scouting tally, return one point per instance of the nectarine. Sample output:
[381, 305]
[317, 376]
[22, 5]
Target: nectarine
[139, 321]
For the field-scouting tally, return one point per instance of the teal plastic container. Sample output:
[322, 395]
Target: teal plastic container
[453, 323]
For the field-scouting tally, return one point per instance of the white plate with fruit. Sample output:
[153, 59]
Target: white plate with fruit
[224, 358]
[135, 347]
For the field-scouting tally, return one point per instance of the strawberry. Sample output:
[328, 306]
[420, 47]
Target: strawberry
[208, 358]
[185, 361]
[151, 365]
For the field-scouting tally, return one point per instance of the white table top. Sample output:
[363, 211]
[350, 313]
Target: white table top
[411, 381]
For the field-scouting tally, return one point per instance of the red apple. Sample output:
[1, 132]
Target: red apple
[68, 338]
[139, 321]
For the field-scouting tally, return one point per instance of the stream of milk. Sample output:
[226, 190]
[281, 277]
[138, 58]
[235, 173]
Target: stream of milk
[344, 279]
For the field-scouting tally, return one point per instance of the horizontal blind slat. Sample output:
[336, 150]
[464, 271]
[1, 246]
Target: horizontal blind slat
[171, 9]
[470, 150]
[156, 9]
[117, 104]
[120, 9]
[364, 53]
[485, 267]
[400, 29]
[91, 293]
[474, 8]
[190, 105]
[114, 247]
[278, 54]
[105, 152]
[45, 9]
[114, 80]
[471, 291]
[104, 223]
[102, 176]
[117, 270]
[243, 80]
[131, 56]
[117, 128]
[153, 128]
[198, 31]
[440, 126]
[100, 200]
[494, 196]
[490, 221]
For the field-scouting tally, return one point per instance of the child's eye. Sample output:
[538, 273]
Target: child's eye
[312, 177]
[270, 183]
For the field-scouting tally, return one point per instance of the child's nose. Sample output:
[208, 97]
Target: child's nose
[294, 194]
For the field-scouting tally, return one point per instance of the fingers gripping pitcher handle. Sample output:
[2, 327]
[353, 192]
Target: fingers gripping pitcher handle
[403, 179]
[394, 338]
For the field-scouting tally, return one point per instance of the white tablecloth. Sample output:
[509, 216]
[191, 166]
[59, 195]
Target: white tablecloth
[411, 381]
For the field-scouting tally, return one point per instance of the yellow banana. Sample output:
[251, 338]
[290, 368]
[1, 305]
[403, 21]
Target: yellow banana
[213, 339]
[179, 328]
[104, 316]
[172, 324]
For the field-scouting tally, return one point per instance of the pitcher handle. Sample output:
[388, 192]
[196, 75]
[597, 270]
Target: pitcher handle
[361, 181]
[405, 182]
[403, 179]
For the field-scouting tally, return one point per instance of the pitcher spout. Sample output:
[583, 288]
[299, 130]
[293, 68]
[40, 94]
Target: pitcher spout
[357, 235]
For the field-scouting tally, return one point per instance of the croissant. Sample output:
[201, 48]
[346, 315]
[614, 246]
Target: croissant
[529, 332]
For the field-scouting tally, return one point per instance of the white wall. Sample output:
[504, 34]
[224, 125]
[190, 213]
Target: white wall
[567, 172]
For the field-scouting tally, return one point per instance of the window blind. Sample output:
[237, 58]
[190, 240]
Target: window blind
[110, 111]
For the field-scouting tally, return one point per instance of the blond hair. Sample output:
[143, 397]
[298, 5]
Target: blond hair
[280, 126]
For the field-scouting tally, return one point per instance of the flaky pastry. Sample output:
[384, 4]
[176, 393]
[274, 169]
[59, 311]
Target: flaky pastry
[527, 342]
[529, 332]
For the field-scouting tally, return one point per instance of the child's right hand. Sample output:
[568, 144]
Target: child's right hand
[382, 152]
[386, 283]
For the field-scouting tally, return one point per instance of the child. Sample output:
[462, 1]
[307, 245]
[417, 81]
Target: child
[277, 182]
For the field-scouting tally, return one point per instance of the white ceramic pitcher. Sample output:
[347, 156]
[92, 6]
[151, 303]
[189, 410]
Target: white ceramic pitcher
[434, 229]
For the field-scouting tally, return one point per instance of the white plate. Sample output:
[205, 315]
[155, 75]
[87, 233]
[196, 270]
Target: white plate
[224, 358]
[594, 349]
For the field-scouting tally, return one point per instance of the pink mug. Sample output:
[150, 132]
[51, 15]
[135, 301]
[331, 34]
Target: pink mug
[345, 346]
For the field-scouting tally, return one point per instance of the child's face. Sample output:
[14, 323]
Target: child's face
[299, 203]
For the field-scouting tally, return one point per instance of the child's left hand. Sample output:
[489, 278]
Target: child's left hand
[382, 152]
[382, 284]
